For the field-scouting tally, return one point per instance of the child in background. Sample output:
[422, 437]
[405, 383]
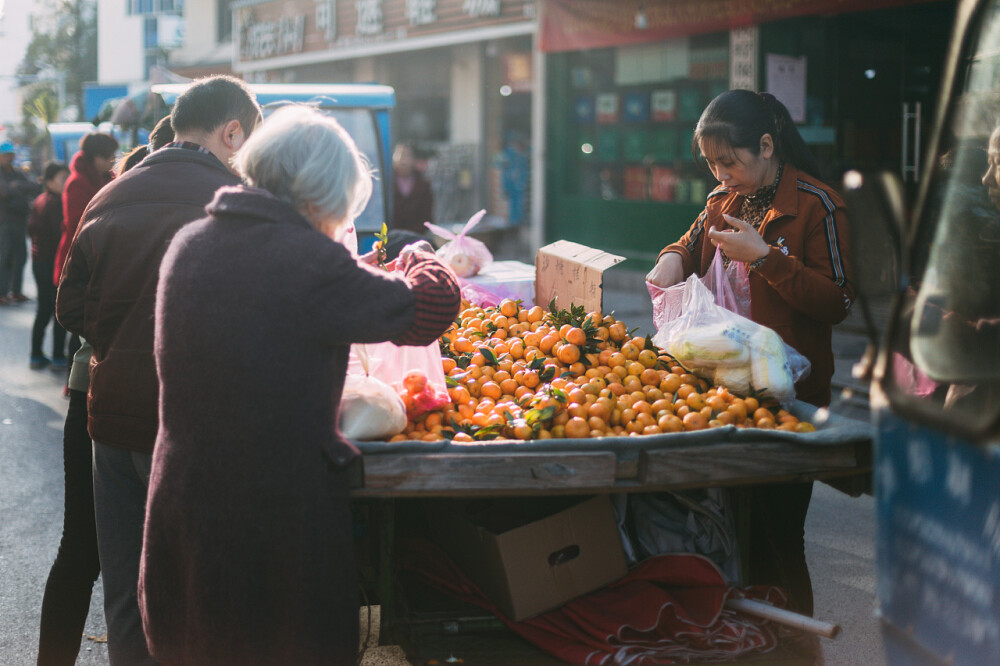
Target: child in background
[45, 230]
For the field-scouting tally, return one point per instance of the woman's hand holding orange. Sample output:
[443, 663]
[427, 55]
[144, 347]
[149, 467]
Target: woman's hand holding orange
[742, 243]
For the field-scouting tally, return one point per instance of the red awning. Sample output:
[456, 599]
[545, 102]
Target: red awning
[572, 25]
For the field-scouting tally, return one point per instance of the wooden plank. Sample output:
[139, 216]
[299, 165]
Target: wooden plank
[449, 473]
[738, 462]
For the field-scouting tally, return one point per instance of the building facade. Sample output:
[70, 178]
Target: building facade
[15, 34]
[627, 81]
[463, 72]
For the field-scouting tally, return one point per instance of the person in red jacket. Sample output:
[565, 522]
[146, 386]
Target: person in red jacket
[45, 229]
[771, 212]
[89, 171]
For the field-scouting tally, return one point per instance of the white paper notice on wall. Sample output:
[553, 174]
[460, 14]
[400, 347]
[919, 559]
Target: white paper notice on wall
[786, 80]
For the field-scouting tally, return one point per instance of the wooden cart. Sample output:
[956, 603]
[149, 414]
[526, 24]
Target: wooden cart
[389, 475]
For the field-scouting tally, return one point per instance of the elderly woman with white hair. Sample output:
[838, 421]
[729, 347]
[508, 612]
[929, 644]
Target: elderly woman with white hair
[248, 555]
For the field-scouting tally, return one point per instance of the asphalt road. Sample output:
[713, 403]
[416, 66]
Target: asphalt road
[839, 529]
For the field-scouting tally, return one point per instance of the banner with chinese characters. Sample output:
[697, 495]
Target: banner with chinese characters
[289, 27]
[573, 25]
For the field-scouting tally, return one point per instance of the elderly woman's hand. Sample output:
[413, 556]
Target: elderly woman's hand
[418, 246]
[742, 243]
[667, 272]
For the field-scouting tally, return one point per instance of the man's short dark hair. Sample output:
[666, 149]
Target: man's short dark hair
[213, 101]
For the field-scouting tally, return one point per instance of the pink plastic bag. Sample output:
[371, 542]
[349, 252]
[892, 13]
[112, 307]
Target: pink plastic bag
[390, 363]
[466, 256]
[729, 285]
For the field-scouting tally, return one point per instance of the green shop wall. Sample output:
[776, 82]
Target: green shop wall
[578, 210]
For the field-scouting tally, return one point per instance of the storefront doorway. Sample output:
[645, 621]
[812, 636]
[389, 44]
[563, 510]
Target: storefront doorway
[889, 77]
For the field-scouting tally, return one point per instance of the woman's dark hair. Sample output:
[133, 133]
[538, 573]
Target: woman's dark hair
[161, 135]
[53, 169]
[739, 118]
[98, 144]
[137, 155]
[213, 101]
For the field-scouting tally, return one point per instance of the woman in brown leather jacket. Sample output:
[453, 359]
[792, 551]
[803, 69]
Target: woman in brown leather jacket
[771, 212]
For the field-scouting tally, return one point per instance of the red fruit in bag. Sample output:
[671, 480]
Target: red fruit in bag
[414, 382]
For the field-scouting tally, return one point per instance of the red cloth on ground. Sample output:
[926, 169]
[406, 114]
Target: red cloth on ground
[667, 610]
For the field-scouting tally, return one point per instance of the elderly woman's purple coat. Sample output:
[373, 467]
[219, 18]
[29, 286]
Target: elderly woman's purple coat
[248, 557]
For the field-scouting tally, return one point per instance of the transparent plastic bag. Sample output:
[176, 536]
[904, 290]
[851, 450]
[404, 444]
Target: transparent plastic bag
[466, 256]
[370, 409]
[729, 350]
[729, 284]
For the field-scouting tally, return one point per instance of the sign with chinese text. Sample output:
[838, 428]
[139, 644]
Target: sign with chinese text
[280, 28]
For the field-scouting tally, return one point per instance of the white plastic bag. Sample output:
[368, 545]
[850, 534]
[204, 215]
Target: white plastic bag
[370, 408]
[728, 350]
[729, 284]
[466, 256]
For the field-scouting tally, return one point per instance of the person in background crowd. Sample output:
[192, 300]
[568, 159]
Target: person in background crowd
[45, 229]
[161, 135]
[266, 573]
[16, 193]
[413, 200]
[89, 171]
[77, 565]
[107, 293]
[772, 212]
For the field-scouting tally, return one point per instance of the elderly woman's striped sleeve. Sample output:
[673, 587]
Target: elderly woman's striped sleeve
[436, 298]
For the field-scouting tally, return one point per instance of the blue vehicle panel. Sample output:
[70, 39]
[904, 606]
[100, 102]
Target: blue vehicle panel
[65, 137]
[938, 508]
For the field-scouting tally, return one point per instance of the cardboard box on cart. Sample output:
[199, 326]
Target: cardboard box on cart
[534, 566]
[571, 273]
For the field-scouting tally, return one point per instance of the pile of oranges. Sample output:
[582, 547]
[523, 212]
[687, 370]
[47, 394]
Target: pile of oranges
[527, 373]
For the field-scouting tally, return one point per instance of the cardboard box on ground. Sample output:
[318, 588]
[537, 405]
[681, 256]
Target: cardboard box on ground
[571, 273]
[530, 555]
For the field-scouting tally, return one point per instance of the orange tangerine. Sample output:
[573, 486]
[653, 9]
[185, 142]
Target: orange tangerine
[635, 368]
[684, 390]
[568, 354]
[670, 423]
[647, 357]
[630, 351]
[645, 419]
[695, 401]
[491, 390]
[599, 410]
[577, 428]
[547, 342]
[695, 421]
[725, 418]
[508, 308]
[716, 402]
[649, 377]
[575, 336]
[670, 383]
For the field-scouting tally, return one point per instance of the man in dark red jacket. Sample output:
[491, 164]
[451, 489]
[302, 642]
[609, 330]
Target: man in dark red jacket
[107, 293]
